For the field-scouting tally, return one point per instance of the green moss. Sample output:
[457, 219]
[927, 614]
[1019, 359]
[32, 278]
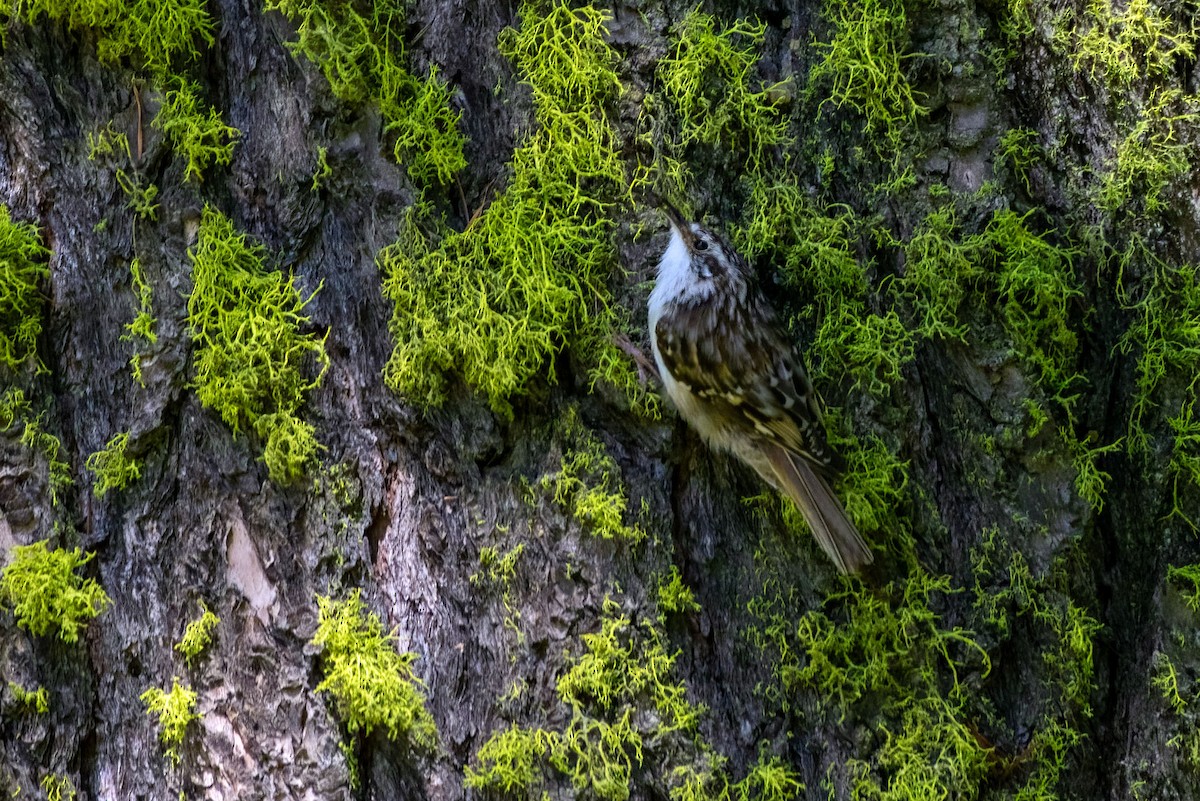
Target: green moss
[708, 78]
[1166, 680]
[362, 58]
[141, 199]
[175, 710]
[873, 485]
[589, 485]
[815, 252]
[509, 760]
[198, 635]
[37, 701]
[1187, 579]
[202, 139]
[14, 409]
[675, 597]
[57, 788]
[22, 268]
[153, 33]
[527, 277]
[941, 271]
[323, 170]
[1154, 154]
[1123, 46]
[113, 467]
[1036, 283]
[1090, 480]
[371, 685]
[143, 326]
[249, 349]
[45, 593]
[108, 143]
[1017, 152]
[863, 66]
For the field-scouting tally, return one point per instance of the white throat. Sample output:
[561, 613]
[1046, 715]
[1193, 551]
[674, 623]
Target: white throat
[676, 280]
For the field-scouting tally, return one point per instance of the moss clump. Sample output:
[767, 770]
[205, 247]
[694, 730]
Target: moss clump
[526, 278]
[141, 198]
[202, 139]
[863, 65]
[175, 709]
[371, 685]
[58, 788]
[708, 79]
[113, 467]
[589, 485]
[198, 635]
[151, 32]
[14, 408]
[38, 701]
[941, 270]
[1151, 156]
[45, 593]
[1122, 46]
[1017, 152]
[22, 267]
[625, 712]
[362, 57]
[675, 597]
[143, 325]
[250, 352]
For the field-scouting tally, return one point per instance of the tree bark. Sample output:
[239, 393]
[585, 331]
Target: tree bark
[404, 498]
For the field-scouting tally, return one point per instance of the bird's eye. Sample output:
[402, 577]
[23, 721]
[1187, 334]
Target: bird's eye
[701, 244]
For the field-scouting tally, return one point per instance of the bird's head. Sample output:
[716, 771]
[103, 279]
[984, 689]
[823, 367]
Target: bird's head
[697, 249]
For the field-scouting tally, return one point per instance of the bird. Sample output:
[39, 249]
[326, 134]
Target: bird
[736, 378]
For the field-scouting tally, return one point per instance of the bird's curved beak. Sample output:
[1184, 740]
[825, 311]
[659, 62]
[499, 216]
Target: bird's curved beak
[679, 224]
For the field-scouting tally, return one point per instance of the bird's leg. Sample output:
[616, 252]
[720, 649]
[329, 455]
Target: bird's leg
[645, 365]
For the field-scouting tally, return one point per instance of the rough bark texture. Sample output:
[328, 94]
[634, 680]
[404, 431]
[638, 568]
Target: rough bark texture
[429, 489]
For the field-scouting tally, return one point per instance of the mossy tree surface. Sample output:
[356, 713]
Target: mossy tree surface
[315, 299]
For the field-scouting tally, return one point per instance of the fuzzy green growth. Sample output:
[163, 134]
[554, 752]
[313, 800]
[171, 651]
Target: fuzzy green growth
[1124, 46]
[36, 700]
[202, 139]
[198, 635]
[175, 710]
[250, 351]
[624, 671]
[940, 272]
[362, 58]
[1018, 151]
[141, 198]
[863, 65]
[322, 171]
[22, 267]
[495, 569]
[58, 788]
[113, 467]
[143, 325]
[816, 254]
[709, 79]
[371, 685]
[675, 597]
[1152, 156]
[1090, 480]
[45, 593]
[589, 485]
[526, 279]
[15, 408]
[1036, 284]
[153, 33]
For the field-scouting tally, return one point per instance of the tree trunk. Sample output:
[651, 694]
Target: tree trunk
[1012, 189]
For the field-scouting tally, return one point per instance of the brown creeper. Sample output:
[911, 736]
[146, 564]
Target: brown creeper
[736, 378]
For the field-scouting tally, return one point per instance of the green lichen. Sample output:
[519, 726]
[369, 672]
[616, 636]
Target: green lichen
[141, 198]
[14, 409]
[588, 484]
[496, 571]
[113, 467]
[198, 635]
[675, 597]
[58, 788]
[1017, 153]
[1123, 45]
[322, 170]
[362, 57]
[863, 67]
[152, 33]
[1090, 480]
[175, 709]
[941, 271]
[1152, 156]
[22, 268]
[202, 139]
[46, 595]
[250, 352]
[143, 326]
[527, 277]
[37, 701]
[709, 80]
[372, 687]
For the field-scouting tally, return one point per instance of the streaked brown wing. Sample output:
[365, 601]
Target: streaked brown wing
[734, 355]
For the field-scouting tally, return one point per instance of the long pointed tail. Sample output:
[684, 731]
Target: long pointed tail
[823, 512]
